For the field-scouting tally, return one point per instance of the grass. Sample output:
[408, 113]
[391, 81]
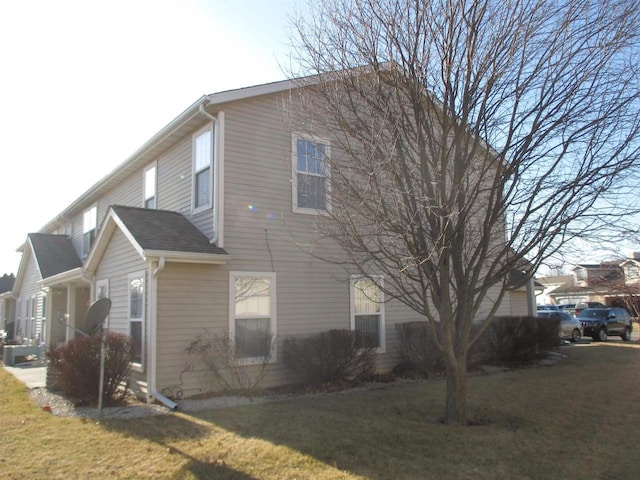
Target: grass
[577, 419]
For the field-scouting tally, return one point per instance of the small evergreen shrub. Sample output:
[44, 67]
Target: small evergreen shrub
[333, 356]
[76, 368]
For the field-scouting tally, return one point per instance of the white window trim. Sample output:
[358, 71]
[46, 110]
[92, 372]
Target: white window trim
[294, 174]
[273, 313]
[379, 279]
[212, 169]
[153, 165]
[85, 230]
[138, 367]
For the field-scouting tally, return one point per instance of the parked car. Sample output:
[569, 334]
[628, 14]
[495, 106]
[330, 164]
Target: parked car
[544, 308]
[570, 327]
[569, 308]
[599, 323]
[581, 306]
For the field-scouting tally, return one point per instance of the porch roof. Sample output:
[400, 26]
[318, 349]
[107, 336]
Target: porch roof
[155, 235]
[54, 254]
[163, 230]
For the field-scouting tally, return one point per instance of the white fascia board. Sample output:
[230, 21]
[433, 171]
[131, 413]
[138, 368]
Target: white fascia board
[64, 277]
[185, 257]
[255, 91]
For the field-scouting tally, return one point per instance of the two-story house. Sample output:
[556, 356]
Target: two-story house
[198, 231]
[615, 283]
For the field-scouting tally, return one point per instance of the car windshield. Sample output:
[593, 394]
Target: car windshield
[593, 313]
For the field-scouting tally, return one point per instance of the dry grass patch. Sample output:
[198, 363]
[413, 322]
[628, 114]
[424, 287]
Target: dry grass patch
[577, 419]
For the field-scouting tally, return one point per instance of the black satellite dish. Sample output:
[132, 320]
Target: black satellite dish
[96, 315]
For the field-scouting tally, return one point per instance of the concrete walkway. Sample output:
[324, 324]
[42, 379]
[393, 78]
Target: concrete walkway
[34, 376]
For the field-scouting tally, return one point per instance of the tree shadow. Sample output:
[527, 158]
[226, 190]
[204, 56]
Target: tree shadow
[206, 470]
[362, 433]
[165, 430]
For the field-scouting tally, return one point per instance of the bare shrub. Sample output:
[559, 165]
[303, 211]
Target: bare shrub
[230, 374]
[417, 353]
[513, 340]
[333, 356]
[76, 368]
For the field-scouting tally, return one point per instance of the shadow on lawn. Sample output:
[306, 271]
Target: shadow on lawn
[361, 433]
[165, 430]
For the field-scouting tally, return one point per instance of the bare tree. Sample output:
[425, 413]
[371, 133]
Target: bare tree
[469, 139]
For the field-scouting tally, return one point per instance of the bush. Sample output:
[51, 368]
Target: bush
[417, 353]
[217, 354]
[514, 340]
[329, 357]
[76, 368]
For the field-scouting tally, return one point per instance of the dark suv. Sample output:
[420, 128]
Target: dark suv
[598, 323]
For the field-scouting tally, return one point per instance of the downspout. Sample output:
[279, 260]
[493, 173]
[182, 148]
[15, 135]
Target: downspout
[531, 297]
[153, 333]
[217, 134]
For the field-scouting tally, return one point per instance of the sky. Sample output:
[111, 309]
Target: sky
[85, 83]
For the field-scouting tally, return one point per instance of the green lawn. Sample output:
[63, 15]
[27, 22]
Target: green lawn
[577, 419]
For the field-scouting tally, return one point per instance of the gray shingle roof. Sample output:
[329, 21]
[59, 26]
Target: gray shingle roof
[54, 253]
[6, 282]
[165, 230]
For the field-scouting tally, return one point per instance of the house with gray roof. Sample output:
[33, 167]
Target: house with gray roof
[200, 231]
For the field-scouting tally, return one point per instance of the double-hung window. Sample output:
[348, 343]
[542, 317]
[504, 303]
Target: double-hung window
[310, 175]
[202, 180]
[150, 187]
[252, 326]
[136, 316]
[367, 311]
[89, 223]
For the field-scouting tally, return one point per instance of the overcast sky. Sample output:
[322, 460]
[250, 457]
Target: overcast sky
[84, 83]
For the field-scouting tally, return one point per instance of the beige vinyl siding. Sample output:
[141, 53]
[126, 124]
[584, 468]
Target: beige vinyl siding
[58, 299]
[30, 289]
[119, 260]
[192, 300]
[174, 178]
[518, 302]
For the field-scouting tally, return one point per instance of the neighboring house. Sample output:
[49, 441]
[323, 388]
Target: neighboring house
[198, 232]
[7, 305]
[611, 283]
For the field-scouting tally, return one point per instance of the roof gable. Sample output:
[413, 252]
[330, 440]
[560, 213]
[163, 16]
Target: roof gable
[54, 253]
[6, 283]
[156, 234]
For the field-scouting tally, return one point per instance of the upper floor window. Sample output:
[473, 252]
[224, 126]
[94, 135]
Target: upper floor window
[202, 180]
[150, 187]
[367, 311]
[310, 175]
[89, 223]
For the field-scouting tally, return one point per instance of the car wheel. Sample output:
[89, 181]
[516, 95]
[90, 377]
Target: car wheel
[602, 335]
[626, 336]
[575, 335]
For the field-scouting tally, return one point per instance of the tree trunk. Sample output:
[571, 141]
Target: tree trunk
[456, 403]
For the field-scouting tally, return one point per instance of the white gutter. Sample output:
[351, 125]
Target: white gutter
[153, 334]
[218, 133]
